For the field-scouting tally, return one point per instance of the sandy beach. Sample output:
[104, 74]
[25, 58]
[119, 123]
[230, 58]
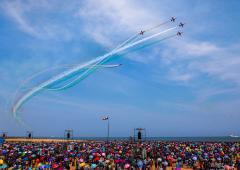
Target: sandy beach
[39, 140]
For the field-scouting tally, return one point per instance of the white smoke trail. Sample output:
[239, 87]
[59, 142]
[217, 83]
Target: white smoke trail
[69, 66]
[126, 42]
[114, 51]
[91, 63]
[60, 67]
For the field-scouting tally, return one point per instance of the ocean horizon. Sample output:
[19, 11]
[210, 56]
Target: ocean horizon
[180, 139]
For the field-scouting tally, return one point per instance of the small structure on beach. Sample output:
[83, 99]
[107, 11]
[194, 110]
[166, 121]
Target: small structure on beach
[4, 134]
[68, 134]
[139, 134]
[29, 134]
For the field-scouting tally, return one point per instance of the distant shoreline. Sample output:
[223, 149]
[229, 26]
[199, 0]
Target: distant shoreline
[39, 140]
[101, 139]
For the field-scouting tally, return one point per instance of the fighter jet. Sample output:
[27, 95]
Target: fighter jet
[107, 66]
[142, 32]
[181, 24]
[179, 33]
[111, 65]
[173, 19]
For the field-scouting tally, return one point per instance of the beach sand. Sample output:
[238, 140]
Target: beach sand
[37, 140]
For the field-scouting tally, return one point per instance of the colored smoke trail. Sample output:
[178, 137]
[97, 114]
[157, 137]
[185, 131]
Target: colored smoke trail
[23, 84]
[89, 71]
[90, 67]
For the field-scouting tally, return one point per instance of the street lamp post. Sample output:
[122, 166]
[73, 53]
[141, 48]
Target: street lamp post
[108, 126]
[108, 130]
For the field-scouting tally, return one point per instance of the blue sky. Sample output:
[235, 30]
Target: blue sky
[179, 87]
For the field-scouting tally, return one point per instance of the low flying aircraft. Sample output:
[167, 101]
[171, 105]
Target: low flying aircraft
[181, 24]
[179, 33]
[173, 19]
[142, 32]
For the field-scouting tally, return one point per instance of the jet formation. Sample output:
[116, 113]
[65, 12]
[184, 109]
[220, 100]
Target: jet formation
[76, 73]
[171, 20]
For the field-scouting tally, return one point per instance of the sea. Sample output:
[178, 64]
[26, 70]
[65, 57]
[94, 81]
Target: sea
[180, 139]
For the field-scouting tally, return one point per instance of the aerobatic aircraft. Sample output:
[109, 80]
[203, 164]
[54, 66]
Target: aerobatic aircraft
[181, 24]
[179, 33]
[142, 32]
[74, 75]
[173, 19]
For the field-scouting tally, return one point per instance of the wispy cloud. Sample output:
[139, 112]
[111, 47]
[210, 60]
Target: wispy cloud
[16, 12]
[201, 57]
[109, 20]
[176, 75]
[29, 21]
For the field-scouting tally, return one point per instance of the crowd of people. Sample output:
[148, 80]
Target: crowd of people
[120, 155]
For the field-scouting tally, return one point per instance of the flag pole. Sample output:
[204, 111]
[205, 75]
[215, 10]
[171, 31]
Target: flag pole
[108, 130]
[108, 126]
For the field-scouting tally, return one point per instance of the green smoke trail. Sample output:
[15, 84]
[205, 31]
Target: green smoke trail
[74, 71]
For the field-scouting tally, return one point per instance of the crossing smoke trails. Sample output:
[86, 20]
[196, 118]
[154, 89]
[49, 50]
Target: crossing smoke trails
[86, 73]
[81, 71]
[23, 84]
